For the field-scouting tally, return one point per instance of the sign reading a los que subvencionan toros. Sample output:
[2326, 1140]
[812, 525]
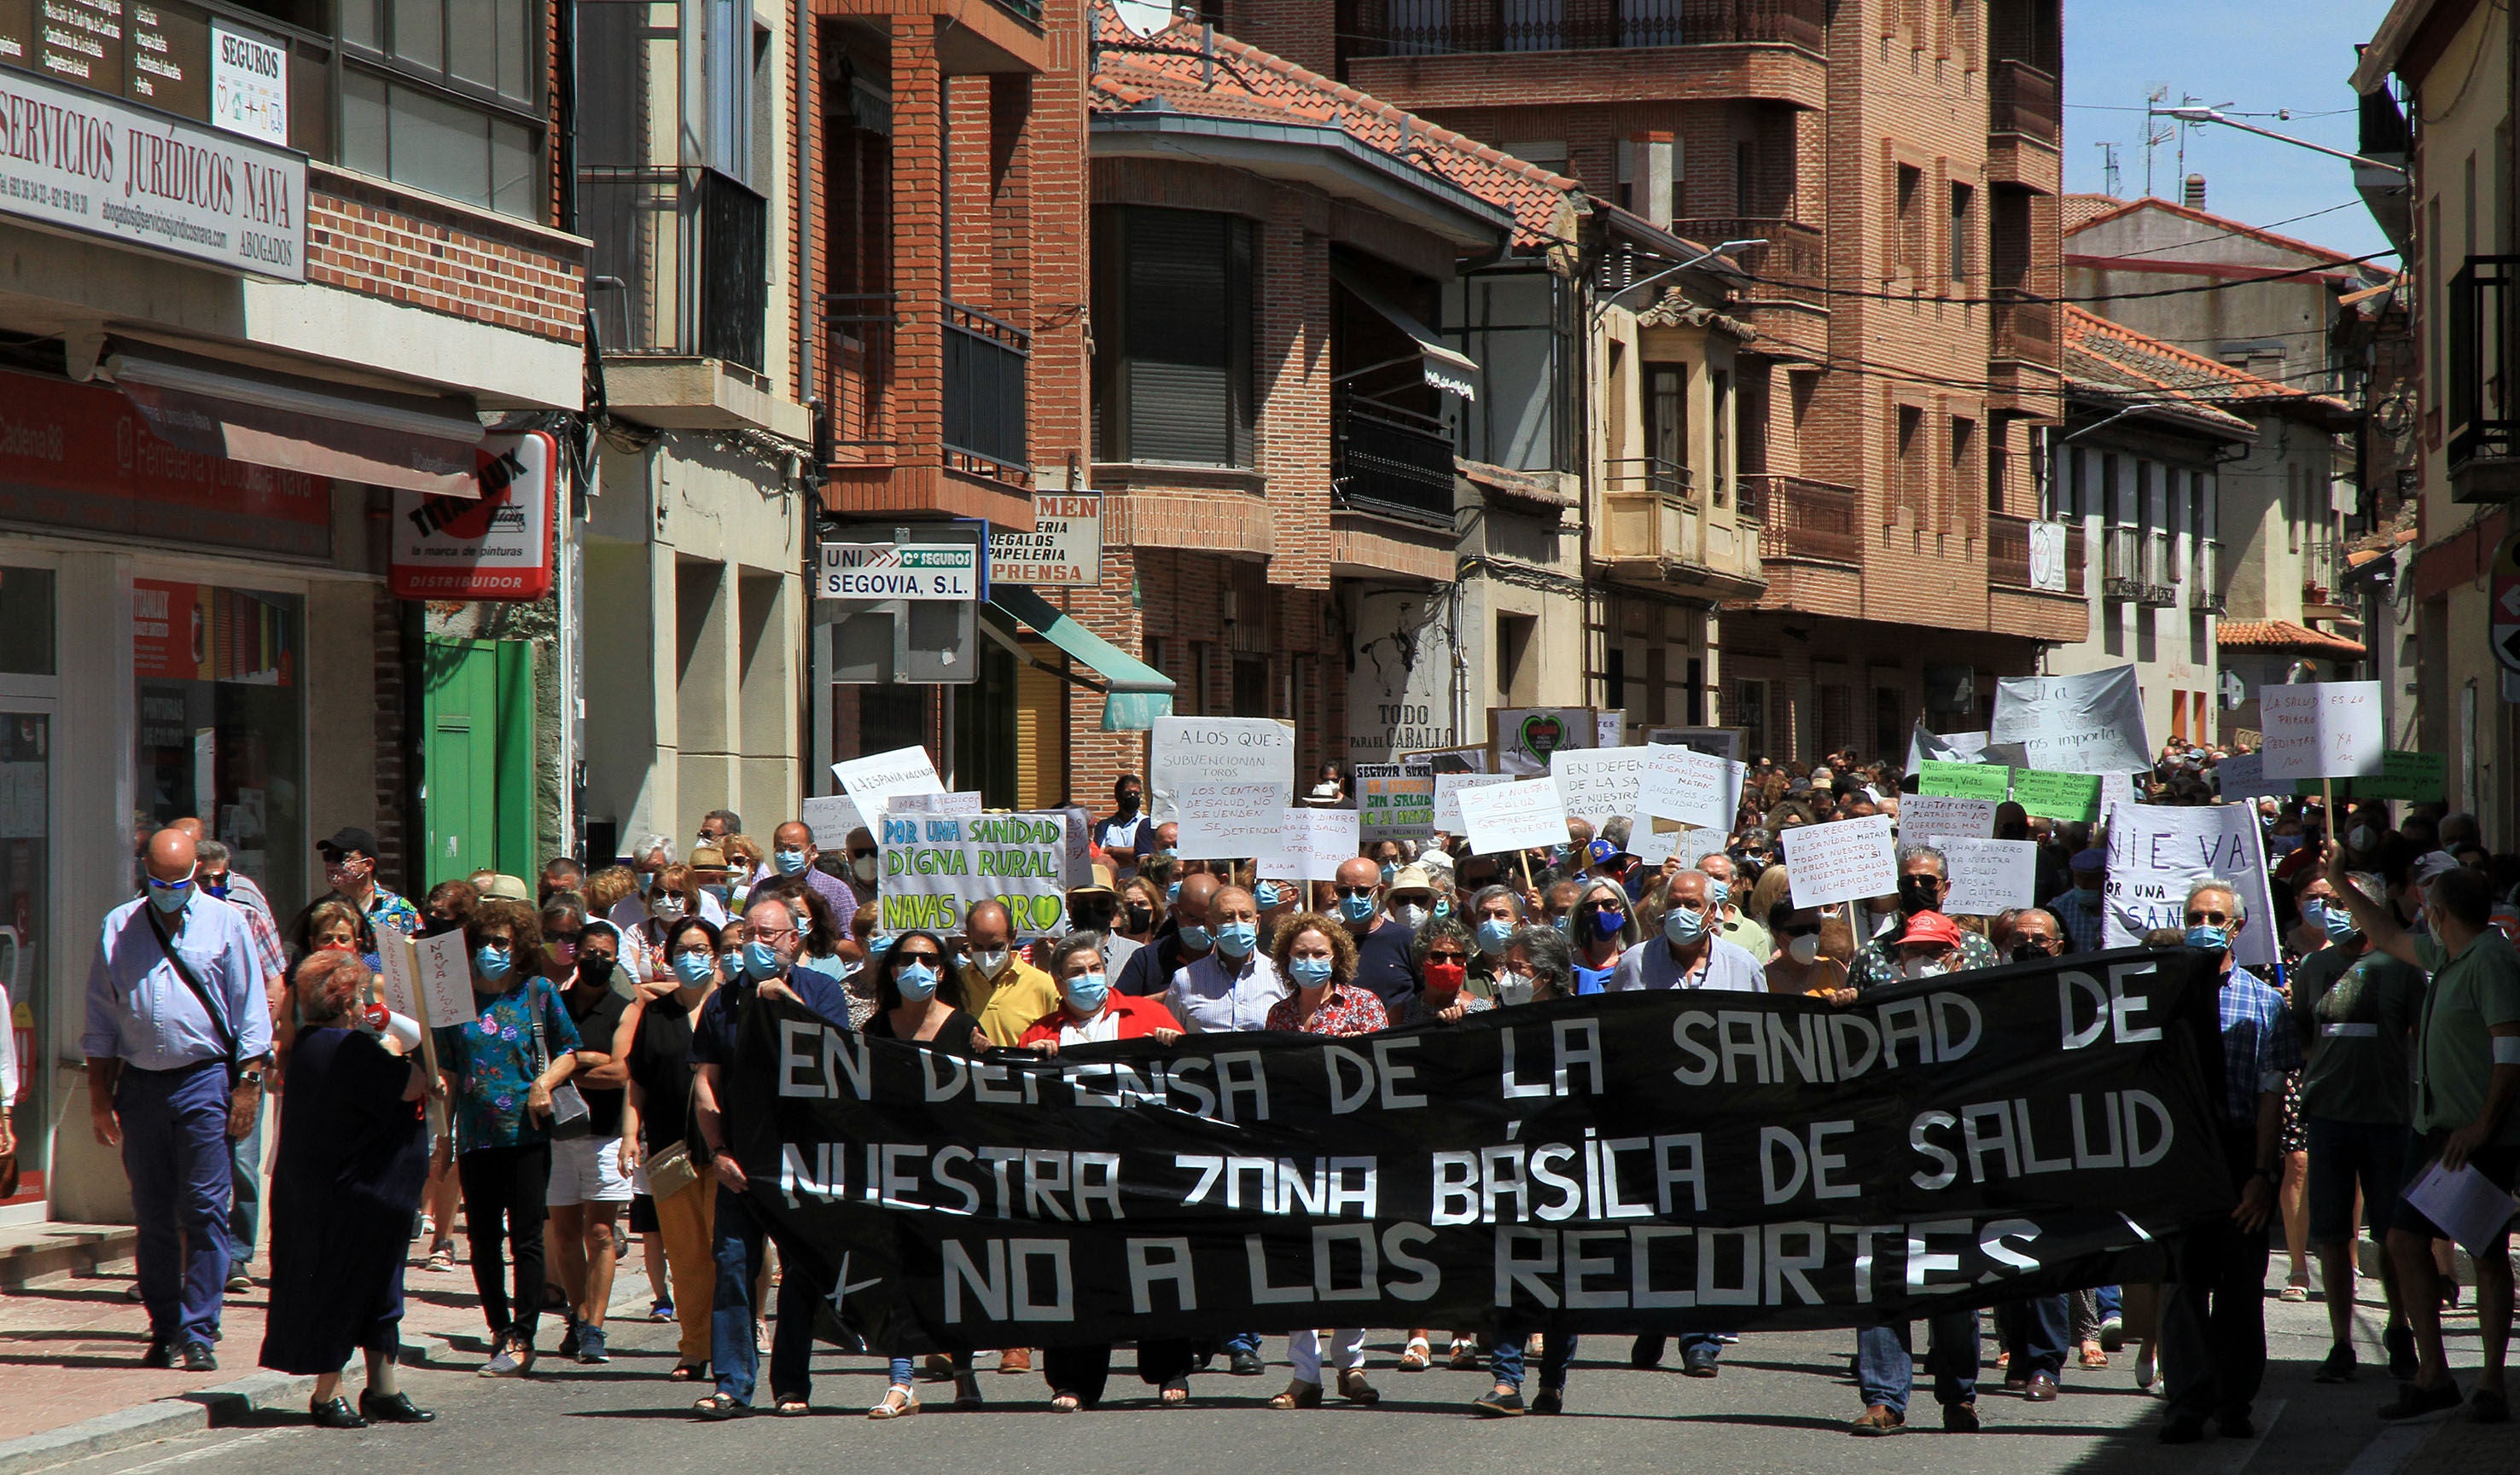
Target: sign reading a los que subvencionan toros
[900, 571]
[497, 546]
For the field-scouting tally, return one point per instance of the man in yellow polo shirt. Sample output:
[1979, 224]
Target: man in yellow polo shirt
[996, 986]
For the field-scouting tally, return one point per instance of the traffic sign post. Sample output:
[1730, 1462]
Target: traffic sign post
[2506, 602]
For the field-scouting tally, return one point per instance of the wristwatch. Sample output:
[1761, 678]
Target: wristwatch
[249, 1078]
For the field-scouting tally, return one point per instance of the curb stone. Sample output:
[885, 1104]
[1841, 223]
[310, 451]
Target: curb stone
[212, 1408]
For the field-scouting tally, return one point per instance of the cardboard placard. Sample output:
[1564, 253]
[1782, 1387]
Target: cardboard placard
[1395, 801]
[831, 817]
[2057, 796]
[1448, 796]
[1610, 726]
[1189, 751]
[2090, 723]
[1989, 878]
[1232, 822]
[1500, 818]
[1599, 783]
[2324, 729]
[1522, 738]
[1940, 814]
[1845, 860]
[1312, 843]
[1991, 782]
[2243, 776]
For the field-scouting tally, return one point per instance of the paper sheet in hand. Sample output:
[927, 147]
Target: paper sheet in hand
[1846, 860]
[1989, 878]
[1506, 817]
[2464, 1205]
[2322, 730]
[1232, 822]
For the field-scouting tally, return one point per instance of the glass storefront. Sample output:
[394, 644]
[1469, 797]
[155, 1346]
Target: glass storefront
[222, 709]
[28, 662]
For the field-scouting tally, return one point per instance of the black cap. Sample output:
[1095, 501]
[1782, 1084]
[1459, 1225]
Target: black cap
[350, 837]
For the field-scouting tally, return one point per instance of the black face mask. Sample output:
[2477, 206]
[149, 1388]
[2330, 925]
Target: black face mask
[595, 970]
[2027, 951]
[1920, 893]
[1129, 803]
[1141, 918]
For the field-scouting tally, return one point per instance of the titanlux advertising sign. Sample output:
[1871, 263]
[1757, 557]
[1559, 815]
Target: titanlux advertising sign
[79, 162]
[1626, 1162]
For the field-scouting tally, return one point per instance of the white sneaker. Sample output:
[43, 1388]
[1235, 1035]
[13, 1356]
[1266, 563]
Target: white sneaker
[2143, 1369]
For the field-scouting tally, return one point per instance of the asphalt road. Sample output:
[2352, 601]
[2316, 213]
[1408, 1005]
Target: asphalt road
[1779, 1407]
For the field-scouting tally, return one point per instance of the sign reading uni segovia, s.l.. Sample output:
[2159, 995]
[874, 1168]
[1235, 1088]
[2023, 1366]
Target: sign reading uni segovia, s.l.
[900, 571]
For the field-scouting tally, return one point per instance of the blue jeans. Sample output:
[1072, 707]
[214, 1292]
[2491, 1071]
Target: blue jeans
[903, 1367]
[2111, 1303]
[1505, 1359]
[2038, 1332]
[733, 1356]
[1241, 1341]
[1885, 1360]
[1648, 1348]
[244, 1210]
[175, 1151]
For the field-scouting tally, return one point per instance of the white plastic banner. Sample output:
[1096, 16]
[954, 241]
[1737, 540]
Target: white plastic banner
[2091, 723]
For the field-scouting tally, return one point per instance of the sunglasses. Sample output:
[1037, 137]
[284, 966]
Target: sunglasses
[1356, 890]
[1799, 929]
[567, 937]
[1448, 957]
[2206, 918]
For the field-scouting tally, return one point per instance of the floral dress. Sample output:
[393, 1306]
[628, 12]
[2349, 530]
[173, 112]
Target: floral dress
[494, 1061]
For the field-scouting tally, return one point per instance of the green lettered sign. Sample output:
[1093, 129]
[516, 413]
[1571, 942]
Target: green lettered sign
[2057, 796]
[1964, 781]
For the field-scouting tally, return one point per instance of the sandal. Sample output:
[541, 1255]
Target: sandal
[792, 1407]
[720, 1406]
[899, 1401]
[688, 1372]
[966, 1391]
[1063, 1402]
[1298, 1394]
[442, 1258]
[2094, 1356]
[1175, 1392]
[1418, 1357]
[1356, 1390]
[1466, 1355]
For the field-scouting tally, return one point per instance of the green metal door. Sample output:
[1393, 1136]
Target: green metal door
[478, 756]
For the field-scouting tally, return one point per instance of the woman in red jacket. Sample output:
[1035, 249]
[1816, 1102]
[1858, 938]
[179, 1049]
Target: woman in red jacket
[1089, 1014]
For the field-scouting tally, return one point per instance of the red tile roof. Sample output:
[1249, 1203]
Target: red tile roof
[2081, 209]
[2283, 635]
[2118, 361]
[1246, 82]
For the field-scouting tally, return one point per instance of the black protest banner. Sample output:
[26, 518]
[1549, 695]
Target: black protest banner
[1658, 1162]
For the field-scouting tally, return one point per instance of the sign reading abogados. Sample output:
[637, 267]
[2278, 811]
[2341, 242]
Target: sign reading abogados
[935, 868]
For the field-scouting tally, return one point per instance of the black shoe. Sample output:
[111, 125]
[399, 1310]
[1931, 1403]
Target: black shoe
[2414, 1400]
[1645, 1354]
[2236, 1424]
[198, 1358]
[1495, 1405]
[1699, 1363]
[2489, 1408]
[1247, 1363]
[1553, 1401]
[159, 1355]
[2181, 1429]
[2339, 1367]
[334, 1414]
[2399, 1340]
[2041, 1389]
[568, 1339]
[392, 1409]
[1960, 1418]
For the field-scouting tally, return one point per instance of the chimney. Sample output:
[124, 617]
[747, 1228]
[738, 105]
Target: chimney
[2193, 196]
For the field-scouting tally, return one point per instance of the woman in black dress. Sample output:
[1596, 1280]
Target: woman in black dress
[353, 1157]
[907, 1007]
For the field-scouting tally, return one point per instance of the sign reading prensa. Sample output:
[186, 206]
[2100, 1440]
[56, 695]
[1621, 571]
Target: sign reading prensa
[79, 162]
[899, 572]
[1064, 546]
[497, 546]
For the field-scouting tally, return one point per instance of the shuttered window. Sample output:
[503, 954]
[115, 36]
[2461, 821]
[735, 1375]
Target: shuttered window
[1041, 731]
[1172, 347]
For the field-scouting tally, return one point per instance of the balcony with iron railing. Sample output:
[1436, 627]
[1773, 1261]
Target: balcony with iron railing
[857, 389]
[2160, 571]
[2205, 576]
[680, 267]
[982, 389]
[1391, 463]
[1805, 520]
[2483, 417]
[1440, 28]
[986, 360]
[2009, 564]
[2022, 99]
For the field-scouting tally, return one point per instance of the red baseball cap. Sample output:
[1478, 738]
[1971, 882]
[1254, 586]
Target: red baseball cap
[1930, 927]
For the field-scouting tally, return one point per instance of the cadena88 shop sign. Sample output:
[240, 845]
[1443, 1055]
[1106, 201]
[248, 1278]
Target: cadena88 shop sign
[497, 546]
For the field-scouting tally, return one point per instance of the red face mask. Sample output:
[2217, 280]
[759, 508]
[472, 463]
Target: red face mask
[1445, 977]
[341, 947]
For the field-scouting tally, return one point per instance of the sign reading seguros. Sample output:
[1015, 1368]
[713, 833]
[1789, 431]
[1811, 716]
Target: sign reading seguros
[497, 546]
[899, 572]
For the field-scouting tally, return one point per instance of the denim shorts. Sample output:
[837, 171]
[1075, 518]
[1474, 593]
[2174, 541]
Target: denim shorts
[2344, 1155]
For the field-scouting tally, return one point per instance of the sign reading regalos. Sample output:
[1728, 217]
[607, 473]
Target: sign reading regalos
[900, 571]
[497, 546]
[75, 161]
[1064, 546]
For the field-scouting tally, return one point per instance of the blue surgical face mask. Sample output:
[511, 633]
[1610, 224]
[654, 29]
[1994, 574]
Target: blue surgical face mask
[490, 963]
[1492, 935]
[2333, 920]
[1683, 927]
[1196, 937]
[170, 899]
[1085, 992]
[1172, 893]
[789, 861]
[1355, 908]
[1609, 920]
[2211, 939]
[760, 960]
[1310, 973]
[1717, 892]
[1267, 895]
[916, 982]
[1236, 938]
[1390, 869]
[693, 969]
[1443, 906]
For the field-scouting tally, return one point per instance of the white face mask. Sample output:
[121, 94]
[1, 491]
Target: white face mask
[989, 960]
[1804, 949]
[1513, 988]
[1413, 916]
[863, 868]
[1923, 967]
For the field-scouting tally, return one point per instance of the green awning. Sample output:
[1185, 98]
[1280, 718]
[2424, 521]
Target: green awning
[1134, 692]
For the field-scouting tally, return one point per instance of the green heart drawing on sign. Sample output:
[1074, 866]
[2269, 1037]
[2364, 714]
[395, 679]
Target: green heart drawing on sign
[1542, 732]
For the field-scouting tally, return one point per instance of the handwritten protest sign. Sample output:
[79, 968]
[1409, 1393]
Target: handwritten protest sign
[1599, 783]
[1610, 726]
[1506, 817]
[1312, 843]
[2417, 778]
[871, 780]
[2115, 790]
[1232, 821]
[1846, 860]
[1922, 815]
[958, 802]
[2091, 723]
[1654, 843]
[2057, 796]
[1696, 788]
[1989, 878]
[933, 868]
[1524, 738]
[1992, 782]
[2322, 730]
[1187, 750]
[2243, 776]
[2157, 851]
[1395, 801]
[1448, 796]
